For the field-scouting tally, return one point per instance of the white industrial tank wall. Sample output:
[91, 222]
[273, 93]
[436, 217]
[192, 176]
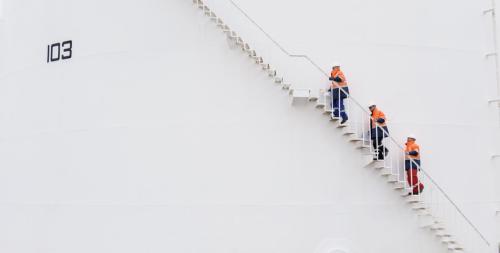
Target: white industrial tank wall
[156, 137]
[497, 20]
[2, 38]
[423, 62]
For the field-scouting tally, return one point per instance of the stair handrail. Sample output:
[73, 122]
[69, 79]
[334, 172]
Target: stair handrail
[394, 141]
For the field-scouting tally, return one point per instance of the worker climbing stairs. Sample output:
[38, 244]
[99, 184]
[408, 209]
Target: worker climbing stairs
[436, 211]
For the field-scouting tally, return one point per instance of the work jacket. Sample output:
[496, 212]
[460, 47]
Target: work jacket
[378, 124]
[412, 161]
[338, 73]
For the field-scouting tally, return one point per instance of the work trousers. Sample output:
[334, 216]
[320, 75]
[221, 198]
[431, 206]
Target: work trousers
[338, 107]
[379, 148]
[412, 177]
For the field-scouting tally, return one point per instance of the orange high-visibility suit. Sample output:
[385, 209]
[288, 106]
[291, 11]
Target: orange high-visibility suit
[412, 166]
[378, 131]
[339, 92]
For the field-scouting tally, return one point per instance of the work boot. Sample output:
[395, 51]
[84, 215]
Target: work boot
[335, 113]
[420, 188]
[414, 193]
[343, 121]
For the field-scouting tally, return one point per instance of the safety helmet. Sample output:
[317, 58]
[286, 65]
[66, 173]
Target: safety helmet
[336, 64]
[371, 103]
[412, 136]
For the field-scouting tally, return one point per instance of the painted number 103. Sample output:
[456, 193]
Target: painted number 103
[60, 51]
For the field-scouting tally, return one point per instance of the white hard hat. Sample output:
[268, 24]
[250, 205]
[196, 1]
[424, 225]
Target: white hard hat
[371, 103]
[412, 136]
[336, 64]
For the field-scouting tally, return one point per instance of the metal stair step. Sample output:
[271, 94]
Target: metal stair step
[373, 164]
[393, 179]
[313, 97]
[220, 23]
[448, 240]
[271, 72]
[426, 213]
[438, 226]
[379, 165]
[425, 220]
[348, 131]
[455, 246]
[355, 139]
[299, 95]
[412, 198]
[328, 110]
[320, 104]
[239, 41]
[399, 186]
[362, 145]
[342, 125]
[332, 118]
[442, 233]
[385, 172]
[404, 192]
[418, 206]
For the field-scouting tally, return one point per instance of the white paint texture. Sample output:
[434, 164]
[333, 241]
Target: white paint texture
[157, 137]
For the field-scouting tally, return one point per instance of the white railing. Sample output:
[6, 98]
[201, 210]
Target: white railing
[436, 209]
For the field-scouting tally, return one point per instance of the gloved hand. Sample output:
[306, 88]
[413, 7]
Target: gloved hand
[380, 120]
[337, 79]
[413, 153]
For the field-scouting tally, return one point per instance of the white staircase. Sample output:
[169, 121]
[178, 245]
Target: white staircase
[436, 212]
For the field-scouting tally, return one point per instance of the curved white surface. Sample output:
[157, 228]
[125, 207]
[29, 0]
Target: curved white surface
[157, 137]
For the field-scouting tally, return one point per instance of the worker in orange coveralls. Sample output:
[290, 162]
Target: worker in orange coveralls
[339, 91]
[412, 165]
